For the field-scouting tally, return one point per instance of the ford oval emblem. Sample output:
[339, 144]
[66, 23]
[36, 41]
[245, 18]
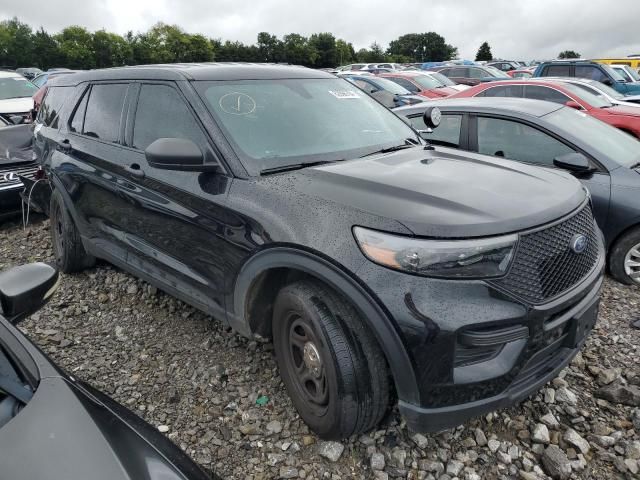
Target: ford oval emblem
[579, 243]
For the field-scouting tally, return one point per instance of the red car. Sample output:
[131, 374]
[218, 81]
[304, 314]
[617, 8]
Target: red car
[520, 74]
[420, 84]
[624, 118]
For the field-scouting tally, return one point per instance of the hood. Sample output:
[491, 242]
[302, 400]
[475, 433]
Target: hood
[444, 91]
[16, 105]
[446, 193]
[460, 87]
[623, 110]
[632, 87]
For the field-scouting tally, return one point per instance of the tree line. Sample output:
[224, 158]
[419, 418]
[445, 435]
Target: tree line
[78, 48]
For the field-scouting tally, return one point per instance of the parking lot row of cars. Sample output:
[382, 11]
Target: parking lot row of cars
[287, 203]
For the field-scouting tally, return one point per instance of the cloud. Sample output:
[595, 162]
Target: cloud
[514, 29]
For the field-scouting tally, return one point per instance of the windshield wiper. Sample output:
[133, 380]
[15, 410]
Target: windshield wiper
[408, 143]
[295, 166]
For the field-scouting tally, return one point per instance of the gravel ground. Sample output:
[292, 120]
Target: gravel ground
[200, 383]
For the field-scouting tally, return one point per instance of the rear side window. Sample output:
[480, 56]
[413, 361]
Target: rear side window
[457, 72]
[545, 93]
[591, 72]
[104, 111]
[447, 134]
[503, 91]
[557, 71]
[53, 103]
[477, 73]
[163, 113]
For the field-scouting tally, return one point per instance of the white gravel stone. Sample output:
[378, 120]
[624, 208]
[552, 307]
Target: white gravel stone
[573, 438]
[540, 434]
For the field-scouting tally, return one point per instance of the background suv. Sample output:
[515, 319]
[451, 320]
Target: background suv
[287, 203]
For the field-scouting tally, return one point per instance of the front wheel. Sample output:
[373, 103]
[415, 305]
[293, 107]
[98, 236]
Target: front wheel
[330, 363]
[624, 259]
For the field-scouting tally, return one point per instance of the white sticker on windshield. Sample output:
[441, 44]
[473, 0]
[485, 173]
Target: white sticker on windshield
[344, 93]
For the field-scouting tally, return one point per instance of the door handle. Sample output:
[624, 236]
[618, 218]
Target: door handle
[64, 145]
[135, 170]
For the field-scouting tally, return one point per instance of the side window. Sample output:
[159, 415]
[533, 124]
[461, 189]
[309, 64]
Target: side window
[458, 72]
[503, 91]
[545, 93]
[366, 86]
[591, 72]
[52, 104]
[104, 111]
[78, 116]
[403, 82]
[557, 71]
[477, 73]
[517, 141]
[162, 113]
[446, 134]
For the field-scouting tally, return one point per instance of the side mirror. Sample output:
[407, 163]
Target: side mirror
[16, 119]
[25, 289]
[608, 82]
[175, 154]
[574, 162]
[432, 117]
[573, 104]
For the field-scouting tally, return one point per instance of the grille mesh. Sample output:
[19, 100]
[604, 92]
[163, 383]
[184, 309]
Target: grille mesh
[545, 265]
[27, 170]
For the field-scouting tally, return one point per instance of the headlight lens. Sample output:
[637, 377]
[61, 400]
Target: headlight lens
[479, 258]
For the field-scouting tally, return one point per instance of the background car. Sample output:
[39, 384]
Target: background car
[420, 84]
[15, 97]
[504, 65]
[604, 159]
[42, 79]
[389, 93]
[445, 81]
[626, 72]
[471, 75]
[88, 435]
[590, 70]
[29, 73]
[622, 117]
[520, 74]
[599, 89]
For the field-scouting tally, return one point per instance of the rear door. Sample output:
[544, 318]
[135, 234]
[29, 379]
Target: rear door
[176, 221]
[87, 161]
[519, 141]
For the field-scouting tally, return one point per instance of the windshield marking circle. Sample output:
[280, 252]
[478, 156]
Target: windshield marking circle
[236, 103]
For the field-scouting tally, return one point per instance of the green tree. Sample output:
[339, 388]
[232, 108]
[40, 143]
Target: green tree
[270, 48]
[345, 53]
[298, 51]
[111, 50]
[375, 54]
[76, 47]
[16, 44]
[484, 53]
[568, 54]
[325, 45]
[422, 47]
[46, 51]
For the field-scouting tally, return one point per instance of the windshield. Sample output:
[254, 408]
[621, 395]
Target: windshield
[496, 73]
[16, 87]
[615, 75]
[600, 90]
[274, 123]
[391, 87]
[632, 73]
[426, 81]
[599, 136]
[445, 81]
[593, 100]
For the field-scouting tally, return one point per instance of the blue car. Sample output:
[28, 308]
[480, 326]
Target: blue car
[589, 70]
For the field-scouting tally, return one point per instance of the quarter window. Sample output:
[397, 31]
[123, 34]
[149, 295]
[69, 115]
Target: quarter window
[104, 110]
[446, 134]
[162, 113]
[517, 141]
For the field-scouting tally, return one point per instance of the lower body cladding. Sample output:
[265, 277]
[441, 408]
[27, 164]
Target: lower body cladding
[475, 349]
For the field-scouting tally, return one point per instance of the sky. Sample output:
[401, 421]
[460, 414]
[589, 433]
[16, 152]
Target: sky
[515, 29]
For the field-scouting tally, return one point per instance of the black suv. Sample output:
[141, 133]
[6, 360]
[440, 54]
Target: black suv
[289, 204]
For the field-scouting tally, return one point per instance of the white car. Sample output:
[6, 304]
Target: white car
[599, 89]
[16, 94]
[626, 72]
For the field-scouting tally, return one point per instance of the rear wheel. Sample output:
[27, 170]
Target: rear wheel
[624, 258]
[68, 250]
[329, 361]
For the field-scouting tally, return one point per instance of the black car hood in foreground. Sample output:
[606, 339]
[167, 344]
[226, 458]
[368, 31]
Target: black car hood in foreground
[69, 431]
[443, 193]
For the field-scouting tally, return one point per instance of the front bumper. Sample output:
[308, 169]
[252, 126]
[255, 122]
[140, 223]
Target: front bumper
[546, 356]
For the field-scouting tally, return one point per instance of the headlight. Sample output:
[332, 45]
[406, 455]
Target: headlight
[480, 258]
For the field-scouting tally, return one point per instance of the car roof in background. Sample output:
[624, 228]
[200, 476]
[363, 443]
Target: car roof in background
[526, 106]
[8, 74]
[194, 71]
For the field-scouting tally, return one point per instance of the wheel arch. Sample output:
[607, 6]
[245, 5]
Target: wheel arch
[277, 261]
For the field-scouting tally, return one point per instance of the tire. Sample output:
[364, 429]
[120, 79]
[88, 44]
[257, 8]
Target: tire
[68, 251]
[329, 362]
[624, 256]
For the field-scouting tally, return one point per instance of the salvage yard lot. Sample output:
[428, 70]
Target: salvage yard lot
[199, 382]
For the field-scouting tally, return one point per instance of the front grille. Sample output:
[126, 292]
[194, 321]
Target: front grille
[9, 175]
[545, 264]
